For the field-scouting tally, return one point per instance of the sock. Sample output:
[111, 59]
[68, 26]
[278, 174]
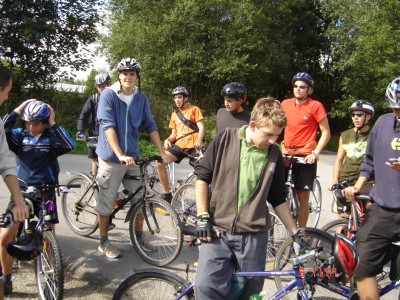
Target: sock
[103, 239]
[7, 278]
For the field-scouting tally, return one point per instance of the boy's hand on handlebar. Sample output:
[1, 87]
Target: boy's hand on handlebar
[20, 212]
[349, 192]
[80, 136]
[204, 228]
[129, 161]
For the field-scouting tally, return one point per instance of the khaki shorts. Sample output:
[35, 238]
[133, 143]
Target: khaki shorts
[109, 179]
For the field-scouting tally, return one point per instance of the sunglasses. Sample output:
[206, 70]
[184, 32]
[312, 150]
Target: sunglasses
[358, 115]
[302, 87]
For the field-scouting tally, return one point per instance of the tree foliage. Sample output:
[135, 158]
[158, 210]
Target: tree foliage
[37, 37]
[205, 44]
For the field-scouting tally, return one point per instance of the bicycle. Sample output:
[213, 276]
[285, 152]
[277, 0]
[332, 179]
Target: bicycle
[49, 265]
[156, 284]
[153, 229]
[349, 227]
[184, 203]
[315, 201]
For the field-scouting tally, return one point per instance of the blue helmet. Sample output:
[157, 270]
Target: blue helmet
[304, 77]
[36, 111]
[234, 90]
[393, 89]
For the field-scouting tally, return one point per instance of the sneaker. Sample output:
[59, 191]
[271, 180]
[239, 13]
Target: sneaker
[8, 288]
[109, 250]
[167, 197]
[146, 247]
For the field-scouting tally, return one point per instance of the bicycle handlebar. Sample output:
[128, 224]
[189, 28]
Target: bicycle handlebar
[6, 219]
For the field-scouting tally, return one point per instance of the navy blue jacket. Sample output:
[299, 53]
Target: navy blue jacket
[37, 160]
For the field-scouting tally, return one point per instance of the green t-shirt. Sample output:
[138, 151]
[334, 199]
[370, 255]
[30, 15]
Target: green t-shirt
[355, 145]
[252, 161]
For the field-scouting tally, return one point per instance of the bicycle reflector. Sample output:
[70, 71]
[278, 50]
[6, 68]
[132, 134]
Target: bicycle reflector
[27, 246]
[346, 257]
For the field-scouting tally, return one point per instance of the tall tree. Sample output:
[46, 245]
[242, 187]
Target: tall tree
[37, 37]
[204, 44]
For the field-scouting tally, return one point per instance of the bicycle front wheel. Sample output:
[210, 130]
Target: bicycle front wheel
[49, 269]
[312, 239]
[314, 205]
[184, 203]
[338, 226]
[78, 205]
[158, 241]
[152, 285]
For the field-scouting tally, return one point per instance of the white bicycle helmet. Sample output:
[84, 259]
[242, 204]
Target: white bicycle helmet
[36, 111]
[128, 64]
[393, 89]
[362, 105]
[180, 90]
[102, 78]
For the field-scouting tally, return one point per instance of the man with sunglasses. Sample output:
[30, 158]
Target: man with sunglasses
[352, 149]
[305, 116]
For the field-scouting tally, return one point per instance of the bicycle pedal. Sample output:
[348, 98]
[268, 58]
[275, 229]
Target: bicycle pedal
[111, 226]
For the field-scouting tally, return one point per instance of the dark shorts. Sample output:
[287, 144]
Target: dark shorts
[380, 228]
[342, 207]
[303, 176]
[181, 153]
[92, 144]
[36, 201]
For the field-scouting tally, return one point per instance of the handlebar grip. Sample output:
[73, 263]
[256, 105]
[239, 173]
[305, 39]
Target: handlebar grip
[73, 186]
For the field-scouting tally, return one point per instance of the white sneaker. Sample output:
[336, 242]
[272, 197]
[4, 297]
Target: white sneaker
[109, 250]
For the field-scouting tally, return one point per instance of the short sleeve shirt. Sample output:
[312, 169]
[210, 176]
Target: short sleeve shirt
[302, 121]
[192, 113]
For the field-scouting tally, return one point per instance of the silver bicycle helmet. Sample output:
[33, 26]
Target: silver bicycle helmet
[362, 105]
[36, 111]
[234, 90]
[304, 77]
[180, 90]
[102, 78]
[393, 89]
[128, 64]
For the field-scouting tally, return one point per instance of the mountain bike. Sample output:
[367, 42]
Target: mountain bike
[184, 203]
[315, 201]
[49, 265]
[153, 229]
[161, 284]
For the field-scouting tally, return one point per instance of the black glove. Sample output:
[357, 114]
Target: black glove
[297, 242]
[204, 226]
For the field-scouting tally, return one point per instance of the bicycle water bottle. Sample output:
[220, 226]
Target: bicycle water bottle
[259, 296]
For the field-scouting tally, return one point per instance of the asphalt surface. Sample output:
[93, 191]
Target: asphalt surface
[91, 275]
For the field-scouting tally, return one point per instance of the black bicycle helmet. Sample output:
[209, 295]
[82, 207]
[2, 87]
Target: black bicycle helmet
[128, 64]
[180, 90]
[234, 90]
[346, 257]
[304, 77]
[36, 111]
[27, 246]
[102, 78]
[362, 105]
[393, 89]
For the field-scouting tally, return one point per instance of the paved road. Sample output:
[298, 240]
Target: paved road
[89, 274]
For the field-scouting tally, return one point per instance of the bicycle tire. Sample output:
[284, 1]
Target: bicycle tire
[49, 269]
[337, 226]
[78, 206]
[314, 204]
[191, 178]
[158, 248]
[152, 285]
[184, 203]
[277, 235]
[313, 238]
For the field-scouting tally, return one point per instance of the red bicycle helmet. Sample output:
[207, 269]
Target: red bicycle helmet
[346, 257]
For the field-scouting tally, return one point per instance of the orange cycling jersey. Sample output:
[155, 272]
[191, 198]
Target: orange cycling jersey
[192, 113]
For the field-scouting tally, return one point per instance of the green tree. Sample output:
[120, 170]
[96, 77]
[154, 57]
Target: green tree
[37, 37]
[205, 44]
[365, 51]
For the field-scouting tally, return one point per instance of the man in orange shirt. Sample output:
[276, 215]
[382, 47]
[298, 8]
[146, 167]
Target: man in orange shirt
[304, 116]
[185, 139]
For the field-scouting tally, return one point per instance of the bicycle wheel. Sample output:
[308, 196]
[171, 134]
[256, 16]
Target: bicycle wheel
[159, 242]
[276, 236]
[314, 205]
[191, 178]
[152, 285]
[337, 226]
[78, 205]
[184, 203]
[49, 269]
[313, 238]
